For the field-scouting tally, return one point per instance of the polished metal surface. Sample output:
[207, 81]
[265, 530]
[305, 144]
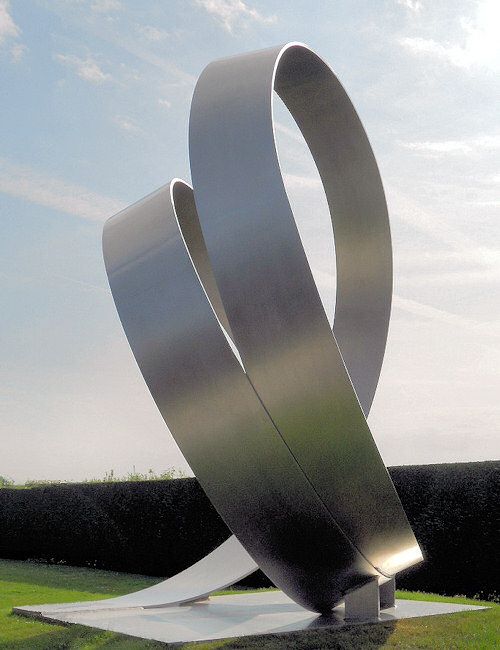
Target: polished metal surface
[215, 415]
[275, 431]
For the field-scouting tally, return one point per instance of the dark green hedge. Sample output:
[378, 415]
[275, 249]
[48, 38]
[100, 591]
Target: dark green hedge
[148, 527]
[161, 527]
[454, 511]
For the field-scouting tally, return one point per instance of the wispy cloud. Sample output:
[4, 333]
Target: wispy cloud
[464, 146]
[36, 187]
[126, 124]
[290, 133]
[165, 103]
[126, 40]
[136, 47]
[486, 203]
[409, 211]
[17, 51]
[481, 41]
[9, 32]
[87, 69]
[417, 308]
[412, 5]
[152, 34]
[105, 6]
[297, 181]
[452, 280]
[15, 280]
[458, 261]
[231, 13]
[8, 28]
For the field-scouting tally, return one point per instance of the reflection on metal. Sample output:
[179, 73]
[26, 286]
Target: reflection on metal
[277, 433]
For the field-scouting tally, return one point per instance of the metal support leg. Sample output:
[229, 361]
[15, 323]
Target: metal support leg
[388, 594]
[363, 603]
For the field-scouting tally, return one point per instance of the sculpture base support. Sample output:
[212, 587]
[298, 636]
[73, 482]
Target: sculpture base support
[269, 612]
[366, 602]
[387, 594]
[363, 604]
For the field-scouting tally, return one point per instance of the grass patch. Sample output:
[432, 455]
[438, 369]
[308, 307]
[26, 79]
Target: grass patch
[23, 583]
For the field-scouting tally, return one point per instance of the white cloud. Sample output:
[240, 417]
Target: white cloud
[457, 264]
[290, 133]
[152, 34]
[419, 309]
[9, 31]
[409, 211]
[17, 51]
[233, 12]
[412, 5]
[105, 6]
[297, 181]
[481, 46]
[465, 146]
[165, 103]
[486, 203]
[8, 28]
[453, 280]
[439, 147]
[126, 124]
[88, 69]
[36, 187]
[450, 53]
[114, 33]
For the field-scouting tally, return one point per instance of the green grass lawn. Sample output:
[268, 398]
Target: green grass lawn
[23, 583]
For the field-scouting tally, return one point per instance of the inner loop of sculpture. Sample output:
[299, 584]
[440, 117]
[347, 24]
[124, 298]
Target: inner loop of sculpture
[201, 277]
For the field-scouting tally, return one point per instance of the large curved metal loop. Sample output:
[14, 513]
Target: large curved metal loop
[215, 416]
[277, 436]
[316, 387]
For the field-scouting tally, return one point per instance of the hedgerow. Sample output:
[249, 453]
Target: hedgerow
[160, 527]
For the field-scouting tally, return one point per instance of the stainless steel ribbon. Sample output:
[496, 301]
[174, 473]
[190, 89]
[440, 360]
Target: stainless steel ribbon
[276, 434]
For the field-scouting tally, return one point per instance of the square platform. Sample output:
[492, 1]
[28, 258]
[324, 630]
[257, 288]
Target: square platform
[268, 612]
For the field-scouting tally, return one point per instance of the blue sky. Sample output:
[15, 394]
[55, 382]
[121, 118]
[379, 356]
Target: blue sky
[94, 111]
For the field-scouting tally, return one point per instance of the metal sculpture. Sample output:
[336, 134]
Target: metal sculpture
[221, 311]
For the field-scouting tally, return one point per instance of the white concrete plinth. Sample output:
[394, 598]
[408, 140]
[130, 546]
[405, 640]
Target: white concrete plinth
[268, 612]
